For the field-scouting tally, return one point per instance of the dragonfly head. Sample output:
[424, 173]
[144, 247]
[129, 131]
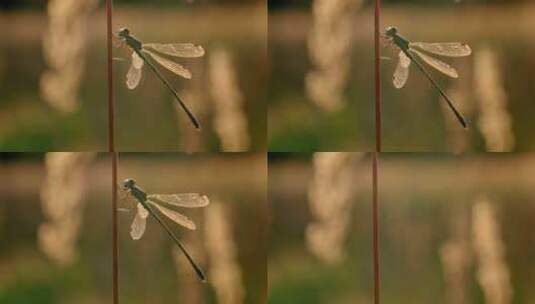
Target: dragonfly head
[391, 31]
[123, 32]
[128, 184]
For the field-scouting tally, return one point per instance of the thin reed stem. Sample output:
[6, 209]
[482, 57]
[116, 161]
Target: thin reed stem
[378, 148]
[111, 104]
[375, 207]
[377, 76]
[111, 149]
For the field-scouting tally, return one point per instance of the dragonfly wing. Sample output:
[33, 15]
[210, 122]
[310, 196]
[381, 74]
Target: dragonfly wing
[186, 50]
[437, 64]
[139, 223]
[401, 74]
[137, 61]
[385, 40]
[188, 200]
[117, 43]
[134, 73]
[172, 66]
[175, 216]
[450, 49]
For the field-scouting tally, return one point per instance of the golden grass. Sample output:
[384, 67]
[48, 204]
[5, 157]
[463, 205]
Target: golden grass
[492, 271]
[225, 273]
[330, 48]
[330, 195]
[230, 120]
[494, 120]
[62, 201]
[65, 44]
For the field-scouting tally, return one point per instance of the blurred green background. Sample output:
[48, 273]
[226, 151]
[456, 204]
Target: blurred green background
[412, 117]
[27, 275]
[426, 201]
[146, 119]
[147, 270]
[295, 274]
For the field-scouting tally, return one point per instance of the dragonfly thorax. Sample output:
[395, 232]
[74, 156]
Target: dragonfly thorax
[391, 33]
[124, 34]
[133, 42]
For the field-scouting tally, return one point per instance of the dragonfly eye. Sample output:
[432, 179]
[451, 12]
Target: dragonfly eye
[123, 32]
[391, 31]
[128, 183]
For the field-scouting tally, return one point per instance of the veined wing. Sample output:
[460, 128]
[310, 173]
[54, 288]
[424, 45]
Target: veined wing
[170, 65]
[188, 200]
[175, 216]
[437, 64]
[450, 49]
[401, 74]
[134, 72]
[139, 223]
[185, 50]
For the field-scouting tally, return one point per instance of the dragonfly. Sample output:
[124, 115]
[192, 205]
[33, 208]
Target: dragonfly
[148, 203]
[140, 57]
[410, 50]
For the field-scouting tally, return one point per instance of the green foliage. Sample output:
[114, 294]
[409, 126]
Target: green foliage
[24, 291]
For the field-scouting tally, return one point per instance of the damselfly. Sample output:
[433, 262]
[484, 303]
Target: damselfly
[154, 51]
[145, 207]
[407, 53]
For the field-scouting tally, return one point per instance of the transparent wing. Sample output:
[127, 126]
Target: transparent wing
[188, 200]
[140, 222]
[117, 43]
[437, 64]
[186, 50]
[385, 41]
[134, 73]
[451, 49]
[170, 65]
[137, 61]
[401, 74]
[175, 216]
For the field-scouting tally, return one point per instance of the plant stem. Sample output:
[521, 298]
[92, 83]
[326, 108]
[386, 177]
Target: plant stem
[378, 149]
[111, 149]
